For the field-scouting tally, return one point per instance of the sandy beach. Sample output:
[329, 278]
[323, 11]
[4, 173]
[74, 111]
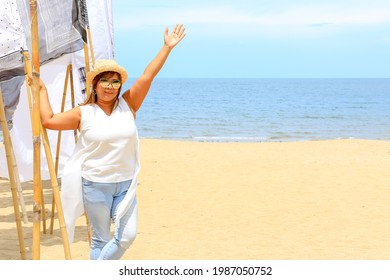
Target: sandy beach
[314, 200]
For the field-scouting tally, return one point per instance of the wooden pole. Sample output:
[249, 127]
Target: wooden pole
[28, 70]
[56, 193]
[53, 174]
[91, 46]
[87, 68]
[88, 92]
[11, 172]
[37, 207]
[59, 141]
[18, 185]
[68, 69]
[72, 100]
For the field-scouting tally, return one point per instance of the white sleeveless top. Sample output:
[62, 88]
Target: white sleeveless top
[108, 143]
[107, 151]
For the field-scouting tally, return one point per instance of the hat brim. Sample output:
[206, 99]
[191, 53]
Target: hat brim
[106, 68]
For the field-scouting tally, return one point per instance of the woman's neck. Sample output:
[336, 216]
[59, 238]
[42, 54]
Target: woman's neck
[107, 107]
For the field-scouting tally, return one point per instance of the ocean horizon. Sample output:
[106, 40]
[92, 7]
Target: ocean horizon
[265, 110]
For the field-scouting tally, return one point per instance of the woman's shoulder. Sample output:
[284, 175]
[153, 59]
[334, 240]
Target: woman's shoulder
[122, 102]
[89, 106]
[125, 105]
[87, 111]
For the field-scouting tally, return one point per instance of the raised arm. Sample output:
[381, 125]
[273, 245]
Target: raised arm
[137, 93]
[68, 120]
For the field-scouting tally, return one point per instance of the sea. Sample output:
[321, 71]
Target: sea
[265, 110]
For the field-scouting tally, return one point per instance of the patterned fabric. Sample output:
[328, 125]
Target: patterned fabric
[12, 40]
[58, 27]
[56, 38]
[55, 58]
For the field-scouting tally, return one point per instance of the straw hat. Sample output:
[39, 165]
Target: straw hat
[104, 65]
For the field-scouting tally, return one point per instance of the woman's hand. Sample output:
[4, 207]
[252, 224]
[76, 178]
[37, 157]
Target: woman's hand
[175, 37]
[29, 80]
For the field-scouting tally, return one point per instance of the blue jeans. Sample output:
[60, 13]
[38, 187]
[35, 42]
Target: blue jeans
[101, 202]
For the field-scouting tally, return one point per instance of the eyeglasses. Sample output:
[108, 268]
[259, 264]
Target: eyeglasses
[116, 84]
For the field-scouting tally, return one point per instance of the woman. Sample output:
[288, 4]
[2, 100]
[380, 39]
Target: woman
[106, 151]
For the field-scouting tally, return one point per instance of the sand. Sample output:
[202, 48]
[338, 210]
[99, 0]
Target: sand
[314, 200]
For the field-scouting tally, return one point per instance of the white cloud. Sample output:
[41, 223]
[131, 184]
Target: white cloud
[314, 15]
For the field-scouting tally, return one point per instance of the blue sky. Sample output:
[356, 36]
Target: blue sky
[258, 38]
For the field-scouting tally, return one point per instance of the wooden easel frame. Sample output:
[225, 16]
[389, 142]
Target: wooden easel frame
[12, 175]
[39, 133]
[52, 171]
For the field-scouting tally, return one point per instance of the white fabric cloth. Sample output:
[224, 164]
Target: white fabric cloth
[12, 34]
[12, 39]
[21, 135]
[53, 74]
[76, 167]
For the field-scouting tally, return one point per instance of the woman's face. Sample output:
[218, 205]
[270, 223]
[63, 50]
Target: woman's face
[107, 88]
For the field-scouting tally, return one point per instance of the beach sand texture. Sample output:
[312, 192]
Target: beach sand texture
[313, 200]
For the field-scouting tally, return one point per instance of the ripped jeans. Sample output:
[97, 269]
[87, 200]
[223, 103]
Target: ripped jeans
[101, 202]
